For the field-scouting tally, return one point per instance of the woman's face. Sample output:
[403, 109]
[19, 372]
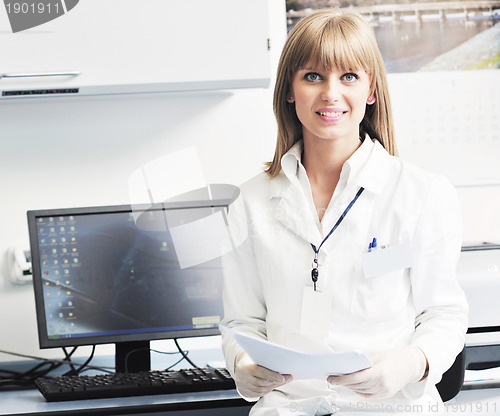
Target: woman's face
[330, 104]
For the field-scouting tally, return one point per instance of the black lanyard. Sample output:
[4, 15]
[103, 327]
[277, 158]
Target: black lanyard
[314, 271]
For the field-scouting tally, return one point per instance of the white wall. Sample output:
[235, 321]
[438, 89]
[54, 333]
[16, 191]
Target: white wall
[455, 132]
[80, 151]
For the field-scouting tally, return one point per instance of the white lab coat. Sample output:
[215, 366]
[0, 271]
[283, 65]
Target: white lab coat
[420, 305]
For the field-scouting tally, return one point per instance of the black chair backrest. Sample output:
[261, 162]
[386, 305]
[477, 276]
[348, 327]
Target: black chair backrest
[453, 380]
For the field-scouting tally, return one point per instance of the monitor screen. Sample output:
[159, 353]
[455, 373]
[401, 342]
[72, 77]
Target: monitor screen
[120, 274]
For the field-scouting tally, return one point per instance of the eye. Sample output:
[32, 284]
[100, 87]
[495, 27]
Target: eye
[312, 76]
[350, 77]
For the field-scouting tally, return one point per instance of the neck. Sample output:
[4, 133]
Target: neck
[323, 160]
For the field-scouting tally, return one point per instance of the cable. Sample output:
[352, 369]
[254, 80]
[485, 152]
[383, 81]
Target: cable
[174, 364]
[169, 353]
[42, 369]
[130, 353]
[17, 378]
[91, 356]
[68, 358]
[75, 371]
[54, 360]
[184, 355]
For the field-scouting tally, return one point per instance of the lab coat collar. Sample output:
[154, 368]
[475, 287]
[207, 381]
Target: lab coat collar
[289, 170]
[293, 201]
[291, 161]
[297, 212]
[367, 167]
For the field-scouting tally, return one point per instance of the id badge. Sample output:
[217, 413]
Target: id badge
[316, 311]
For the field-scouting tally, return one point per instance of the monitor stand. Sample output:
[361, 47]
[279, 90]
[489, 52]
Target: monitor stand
[132, 356]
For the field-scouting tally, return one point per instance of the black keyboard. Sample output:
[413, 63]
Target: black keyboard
[134, 384]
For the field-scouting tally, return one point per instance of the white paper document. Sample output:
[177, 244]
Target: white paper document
[301, 365]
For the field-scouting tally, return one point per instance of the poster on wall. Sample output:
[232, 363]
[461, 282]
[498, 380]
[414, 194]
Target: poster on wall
[443, 61]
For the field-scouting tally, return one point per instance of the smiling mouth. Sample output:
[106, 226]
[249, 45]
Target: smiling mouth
[329, 114]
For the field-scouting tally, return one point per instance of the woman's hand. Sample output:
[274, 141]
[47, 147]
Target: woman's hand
[391, 371]
[254, 381]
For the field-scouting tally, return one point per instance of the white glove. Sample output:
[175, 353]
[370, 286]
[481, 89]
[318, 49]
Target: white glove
[391, 371]
[254, 381]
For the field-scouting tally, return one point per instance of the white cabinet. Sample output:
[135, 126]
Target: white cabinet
[130, 46]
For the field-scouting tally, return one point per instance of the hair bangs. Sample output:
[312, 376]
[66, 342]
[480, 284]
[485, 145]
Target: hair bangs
[336, 44]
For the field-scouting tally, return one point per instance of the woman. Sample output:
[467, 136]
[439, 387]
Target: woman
[311, 275]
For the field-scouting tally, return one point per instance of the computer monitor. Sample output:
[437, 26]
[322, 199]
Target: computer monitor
[114, 274]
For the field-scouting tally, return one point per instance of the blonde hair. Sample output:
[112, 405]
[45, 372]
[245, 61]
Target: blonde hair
[335, 40]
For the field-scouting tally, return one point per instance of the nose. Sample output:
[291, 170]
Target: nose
[330, 92]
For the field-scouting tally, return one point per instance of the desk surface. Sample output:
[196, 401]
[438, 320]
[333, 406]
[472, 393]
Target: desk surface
[24, 402]
[485, 402]
[475, 402]
[31, 402]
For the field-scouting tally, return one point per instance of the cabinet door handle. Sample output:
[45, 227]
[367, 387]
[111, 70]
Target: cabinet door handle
[39, 74]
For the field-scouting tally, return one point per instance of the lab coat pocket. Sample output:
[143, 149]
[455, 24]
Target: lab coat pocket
[381, 298]
[386, 260]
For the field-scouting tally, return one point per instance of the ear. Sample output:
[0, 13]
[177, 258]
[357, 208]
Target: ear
[289, 98]
[371, 100]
